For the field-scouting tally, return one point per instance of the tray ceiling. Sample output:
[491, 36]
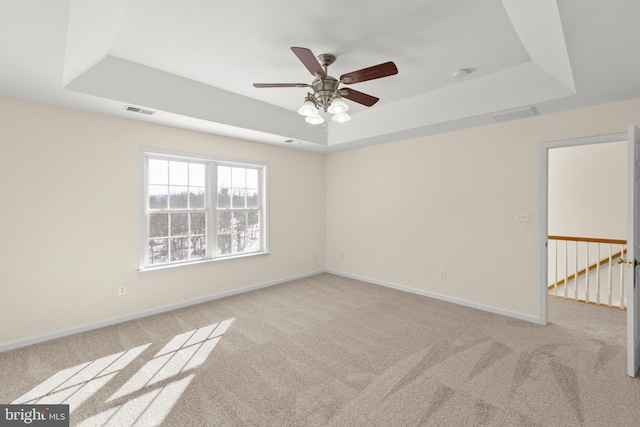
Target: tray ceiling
[193, 63]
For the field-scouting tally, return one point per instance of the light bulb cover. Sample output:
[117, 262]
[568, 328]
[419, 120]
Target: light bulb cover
[341, 118]
[315, 119]
[307, 109]
[338, 106]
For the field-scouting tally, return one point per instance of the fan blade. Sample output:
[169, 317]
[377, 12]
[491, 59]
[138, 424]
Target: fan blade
[359, 97]
[280, 85]
[376, 72]
[309, 60]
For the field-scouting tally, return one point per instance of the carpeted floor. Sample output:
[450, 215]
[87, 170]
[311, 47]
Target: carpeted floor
[328, 350]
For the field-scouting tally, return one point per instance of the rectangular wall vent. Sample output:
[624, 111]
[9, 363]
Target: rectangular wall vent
[515, 115]
[139, 110]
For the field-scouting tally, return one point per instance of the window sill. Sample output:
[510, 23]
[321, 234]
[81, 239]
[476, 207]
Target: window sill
[200, 262]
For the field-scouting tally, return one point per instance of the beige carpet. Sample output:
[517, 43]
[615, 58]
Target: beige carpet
[327, 350]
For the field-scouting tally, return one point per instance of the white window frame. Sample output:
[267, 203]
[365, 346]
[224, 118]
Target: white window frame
[212, 163]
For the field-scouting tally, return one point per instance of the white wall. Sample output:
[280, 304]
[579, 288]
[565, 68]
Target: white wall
[69, 219]
[400, 212]
[588, 191]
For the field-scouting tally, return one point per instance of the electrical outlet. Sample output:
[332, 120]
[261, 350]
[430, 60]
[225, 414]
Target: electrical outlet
[522, 216]
[443, 274]
[342, 257]
[122, 290]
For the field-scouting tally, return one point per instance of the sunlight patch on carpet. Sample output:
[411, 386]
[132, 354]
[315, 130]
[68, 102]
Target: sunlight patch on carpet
[75, 385]
[164, 376]
[148, 396]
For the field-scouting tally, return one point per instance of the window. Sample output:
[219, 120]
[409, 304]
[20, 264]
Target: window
[201, 209]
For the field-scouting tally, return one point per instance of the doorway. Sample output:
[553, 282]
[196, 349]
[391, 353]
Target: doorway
[587, 223]
[563, 222]
[630, 261]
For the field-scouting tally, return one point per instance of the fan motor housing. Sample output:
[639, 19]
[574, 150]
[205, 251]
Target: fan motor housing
[324, 90]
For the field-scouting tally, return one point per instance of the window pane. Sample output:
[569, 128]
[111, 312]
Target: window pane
[198, 223]
[196, 175]
[239, 243]
[224, 244]
[253, 221]
[239, 199]
[196, 197]
[224, 198]
[238, 177]
[178, 173]
[224, 176]
[179, 224]
[158, 225]
[253, 232]
[198, 247]
[252, 178]
[179, 248]
[178, 197]
[224, 222]
[158, 172]
[158, 196]
[253, 200]
[239, 221]
[158, 251]
[252, 244]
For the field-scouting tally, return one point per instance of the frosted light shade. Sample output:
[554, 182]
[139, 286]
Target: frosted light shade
[307, 109]
[341, 118]
[315, 119]
[338, 106]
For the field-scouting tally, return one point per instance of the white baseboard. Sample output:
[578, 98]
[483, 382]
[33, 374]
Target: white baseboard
[115, 320]
[477, 306]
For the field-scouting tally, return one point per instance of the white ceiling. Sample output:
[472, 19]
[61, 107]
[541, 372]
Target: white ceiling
[193, 62]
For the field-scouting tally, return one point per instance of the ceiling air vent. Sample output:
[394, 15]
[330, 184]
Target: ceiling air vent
[139, 110]
[515, 115]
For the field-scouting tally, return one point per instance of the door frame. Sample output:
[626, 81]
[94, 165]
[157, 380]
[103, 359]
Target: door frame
[633, 296]
[544, 206]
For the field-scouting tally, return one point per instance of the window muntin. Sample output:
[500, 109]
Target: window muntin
[198, 209]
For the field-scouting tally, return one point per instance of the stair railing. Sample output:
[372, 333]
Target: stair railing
[566, 257]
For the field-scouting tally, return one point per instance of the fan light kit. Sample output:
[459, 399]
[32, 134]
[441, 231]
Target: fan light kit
[327, 96]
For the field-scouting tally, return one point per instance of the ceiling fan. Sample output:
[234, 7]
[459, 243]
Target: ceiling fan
[327, 95]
